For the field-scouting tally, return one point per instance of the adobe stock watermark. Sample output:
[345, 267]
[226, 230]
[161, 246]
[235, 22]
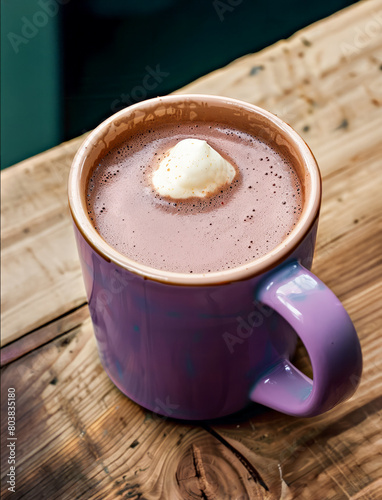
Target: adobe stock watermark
[246, 326]
[117, 283]
[164, 409]
[223, 6]
[363, 36]
[151, 80]
[11, 440]
[31, 26]
[288, 113]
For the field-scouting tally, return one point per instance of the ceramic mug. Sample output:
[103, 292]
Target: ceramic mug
[195, 346]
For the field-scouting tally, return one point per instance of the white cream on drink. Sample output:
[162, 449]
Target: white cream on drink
[192, 168]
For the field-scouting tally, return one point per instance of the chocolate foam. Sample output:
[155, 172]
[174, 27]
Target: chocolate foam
[242, 222]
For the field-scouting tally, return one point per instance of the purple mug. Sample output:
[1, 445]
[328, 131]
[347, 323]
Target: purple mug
[195, 346]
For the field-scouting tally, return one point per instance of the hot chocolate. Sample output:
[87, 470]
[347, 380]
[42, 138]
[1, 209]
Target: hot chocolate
[242, 221]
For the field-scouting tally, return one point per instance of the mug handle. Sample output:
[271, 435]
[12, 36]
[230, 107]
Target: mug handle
[326, 330]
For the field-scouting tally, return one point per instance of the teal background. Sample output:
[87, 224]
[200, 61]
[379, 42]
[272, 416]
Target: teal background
[31, 97]
[67, 76]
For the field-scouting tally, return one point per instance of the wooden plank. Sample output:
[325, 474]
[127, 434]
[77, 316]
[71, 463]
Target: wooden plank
[43, 335]
[41, 277]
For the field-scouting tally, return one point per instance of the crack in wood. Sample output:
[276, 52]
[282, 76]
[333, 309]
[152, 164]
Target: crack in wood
[246, 463]
[38, 337]
[205, 487]
[60, 317]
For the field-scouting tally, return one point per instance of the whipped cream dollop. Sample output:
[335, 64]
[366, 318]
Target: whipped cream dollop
[192, 169]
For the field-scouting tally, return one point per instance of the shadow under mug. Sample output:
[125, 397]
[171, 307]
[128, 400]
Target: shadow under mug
[195, 346]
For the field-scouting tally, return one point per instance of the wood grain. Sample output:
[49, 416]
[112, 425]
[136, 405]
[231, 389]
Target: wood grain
[41, 277]
[78, 436]
[43, 335]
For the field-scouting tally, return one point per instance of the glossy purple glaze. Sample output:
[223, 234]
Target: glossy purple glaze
[196, 352]
[203, 346]
[329, 336]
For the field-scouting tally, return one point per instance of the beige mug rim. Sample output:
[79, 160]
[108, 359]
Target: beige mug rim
[254, 268]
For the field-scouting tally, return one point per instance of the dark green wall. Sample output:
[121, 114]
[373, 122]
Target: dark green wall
[31, 97]
[93, 57]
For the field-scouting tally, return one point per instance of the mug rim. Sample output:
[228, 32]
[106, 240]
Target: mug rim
[251, 269]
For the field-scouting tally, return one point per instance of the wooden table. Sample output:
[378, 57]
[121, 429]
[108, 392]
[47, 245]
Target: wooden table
[78, 436]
